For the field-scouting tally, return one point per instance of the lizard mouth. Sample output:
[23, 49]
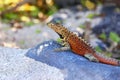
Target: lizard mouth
[60, 35]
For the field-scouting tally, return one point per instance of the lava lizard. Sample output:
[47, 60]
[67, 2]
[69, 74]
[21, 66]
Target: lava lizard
[80, 46]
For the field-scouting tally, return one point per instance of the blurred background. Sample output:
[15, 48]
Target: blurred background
[23, 22]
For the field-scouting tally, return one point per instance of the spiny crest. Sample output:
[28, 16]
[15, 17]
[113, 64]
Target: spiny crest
[86, 42]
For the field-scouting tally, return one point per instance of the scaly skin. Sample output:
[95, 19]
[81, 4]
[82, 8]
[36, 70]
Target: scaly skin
[79, 45]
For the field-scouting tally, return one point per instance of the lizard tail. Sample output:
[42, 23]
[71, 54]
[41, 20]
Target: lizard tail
[103, 59]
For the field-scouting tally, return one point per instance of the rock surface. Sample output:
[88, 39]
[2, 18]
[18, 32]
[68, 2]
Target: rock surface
[72, 66]
[14, 65]
[42, 63]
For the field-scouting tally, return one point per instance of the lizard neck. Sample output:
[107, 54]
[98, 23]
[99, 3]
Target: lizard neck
[66, 37]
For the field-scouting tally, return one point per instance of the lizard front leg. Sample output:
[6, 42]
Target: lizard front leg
[65, 45]
[91, 57]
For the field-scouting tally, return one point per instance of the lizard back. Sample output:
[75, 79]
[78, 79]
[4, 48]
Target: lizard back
[79, 45]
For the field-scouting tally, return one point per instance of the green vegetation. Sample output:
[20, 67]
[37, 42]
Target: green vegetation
[29, 23]
[38, 31]
[114, 37]
[22, 42]
[91, 16]
[98, 49]
[39, 9]
[103, 36]
[59, 40]
[82, 26]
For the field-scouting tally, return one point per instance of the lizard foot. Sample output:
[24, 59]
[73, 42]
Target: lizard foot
[65, 47]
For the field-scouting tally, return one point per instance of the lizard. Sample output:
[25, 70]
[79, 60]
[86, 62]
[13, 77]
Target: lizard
[80, 46]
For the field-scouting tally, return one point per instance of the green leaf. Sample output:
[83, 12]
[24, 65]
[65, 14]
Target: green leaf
[35, 12]
[34, 8]
[59, 40]
[108, 54]
[82, 26]
[38, 31]
[97, 48]
[89, 4]
[22, 42]
[2, 8]
[11, 16]
[114, 37]
[6, 20]
[103, 36]
[83, 2]
[52, 10]
[29, 23]
[91, 16]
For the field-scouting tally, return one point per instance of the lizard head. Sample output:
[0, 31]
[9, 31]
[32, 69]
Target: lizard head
[62, 31]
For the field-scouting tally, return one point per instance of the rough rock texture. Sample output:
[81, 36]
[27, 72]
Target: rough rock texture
[72, 66]
[42, 63]
[14, 65]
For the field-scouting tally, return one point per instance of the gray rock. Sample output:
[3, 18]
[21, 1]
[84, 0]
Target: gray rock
[14, 65]
[72, 66]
